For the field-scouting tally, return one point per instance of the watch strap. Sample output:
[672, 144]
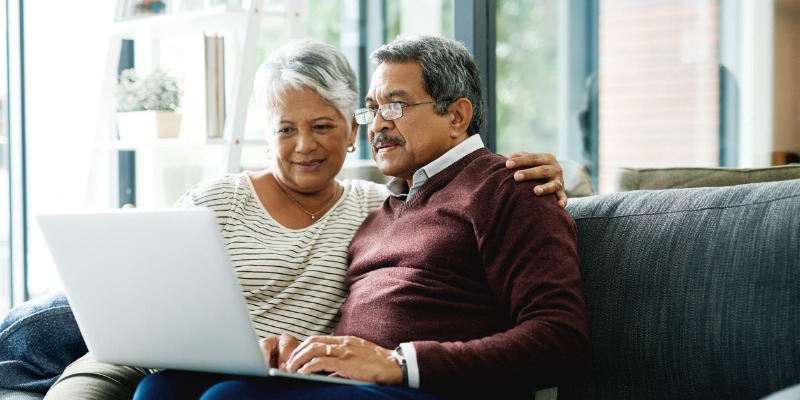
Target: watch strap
[401, 359]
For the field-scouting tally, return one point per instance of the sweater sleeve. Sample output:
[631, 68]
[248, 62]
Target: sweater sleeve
[528, 246]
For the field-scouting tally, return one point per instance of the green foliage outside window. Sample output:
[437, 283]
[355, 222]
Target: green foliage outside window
[323, 23]
[527, 113]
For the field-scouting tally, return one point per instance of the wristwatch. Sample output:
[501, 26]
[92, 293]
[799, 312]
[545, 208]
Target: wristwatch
[401, 359]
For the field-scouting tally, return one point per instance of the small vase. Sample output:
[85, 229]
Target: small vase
[148, 125]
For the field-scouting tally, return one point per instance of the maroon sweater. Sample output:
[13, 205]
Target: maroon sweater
[479, 273]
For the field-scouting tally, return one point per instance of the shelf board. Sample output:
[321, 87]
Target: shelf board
[219, 18]
[176, 143]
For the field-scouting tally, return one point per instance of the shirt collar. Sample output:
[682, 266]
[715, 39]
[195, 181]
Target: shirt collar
[398, 187]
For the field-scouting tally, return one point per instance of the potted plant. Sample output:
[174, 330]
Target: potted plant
[146, 105]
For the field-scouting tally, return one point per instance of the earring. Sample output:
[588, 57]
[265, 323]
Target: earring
[351, 149]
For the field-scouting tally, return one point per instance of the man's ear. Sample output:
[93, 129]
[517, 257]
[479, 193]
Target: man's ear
[461, 115]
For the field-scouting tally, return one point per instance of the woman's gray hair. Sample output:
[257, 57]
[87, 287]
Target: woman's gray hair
[307, 63]
[448, 71]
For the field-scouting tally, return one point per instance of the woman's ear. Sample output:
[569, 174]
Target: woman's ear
[461, 115]
[353, 132]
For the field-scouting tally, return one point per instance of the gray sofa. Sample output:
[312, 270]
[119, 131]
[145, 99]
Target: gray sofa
[691, 293]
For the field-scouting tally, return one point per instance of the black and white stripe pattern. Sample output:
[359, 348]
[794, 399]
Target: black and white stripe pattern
[292, 280]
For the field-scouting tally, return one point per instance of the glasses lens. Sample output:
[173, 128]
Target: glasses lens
[391, 111]
[364, 116]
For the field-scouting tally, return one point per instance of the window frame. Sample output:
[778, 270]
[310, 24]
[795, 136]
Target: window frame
[18, 212]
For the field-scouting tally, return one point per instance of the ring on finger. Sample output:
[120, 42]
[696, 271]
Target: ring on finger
[327, 350]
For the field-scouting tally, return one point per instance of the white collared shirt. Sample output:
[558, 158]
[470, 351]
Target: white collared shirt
[397, 186]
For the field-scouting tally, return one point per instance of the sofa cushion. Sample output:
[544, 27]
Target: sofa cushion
[38, 339]
[7, 394]
[691, 293]
[674, 178]
[577, 182]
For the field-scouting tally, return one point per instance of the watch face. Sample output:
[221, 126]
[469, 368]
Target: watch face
[398, 355]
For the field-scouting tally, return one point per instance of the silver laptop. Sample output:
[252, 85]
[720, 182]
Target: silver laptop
[154, 288]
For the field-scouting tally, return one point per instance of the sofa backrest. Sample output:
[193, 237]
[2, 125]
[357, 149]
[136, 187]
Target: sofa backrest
[691, 293]
[691, 177]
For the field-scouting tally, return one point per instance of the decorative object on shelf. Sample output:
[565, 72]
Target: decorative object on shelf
[143, 8]
[215, 85]
[186, 5]
[151, 7]
[146, 105]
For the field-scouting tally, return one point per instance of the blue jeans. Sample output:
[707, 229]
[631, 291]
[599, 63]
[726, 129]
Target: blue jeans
[177, 385]
[38, 339]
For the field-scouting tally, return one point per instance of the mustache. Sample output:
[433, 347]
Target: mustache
[383, 138]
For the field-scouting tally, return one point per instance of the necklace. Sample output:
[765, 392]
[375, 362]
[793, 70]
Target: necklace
[312, 215]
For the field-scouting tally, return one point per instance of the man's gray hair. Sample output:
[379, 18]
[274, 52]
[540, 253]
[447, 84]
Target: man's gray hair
[449, 71]
[307, 63]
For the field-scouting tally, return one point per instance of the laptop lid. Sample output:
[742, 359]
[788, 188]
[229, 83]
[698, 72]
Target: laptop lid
[154, 288]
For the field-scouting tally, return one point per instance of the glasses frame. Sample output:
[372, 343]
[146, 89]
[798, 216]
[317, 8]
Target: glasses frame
[389, 112]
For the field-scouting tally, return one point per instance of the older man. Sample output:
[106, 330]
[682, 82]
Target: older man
[474, 279]
[462, 284]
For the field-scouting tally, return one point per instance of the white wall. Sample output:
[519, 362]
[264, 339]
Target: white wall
[787, 76]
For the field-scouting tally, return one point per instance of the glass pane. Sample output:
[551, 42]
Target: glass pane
[408, 17]
[323, 24]
[527, 90]
[658, 85]
[5, 220]
[66, 170]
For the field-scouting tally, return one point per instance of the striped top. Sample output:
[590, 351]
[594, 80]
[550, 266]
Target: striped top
[292, 279]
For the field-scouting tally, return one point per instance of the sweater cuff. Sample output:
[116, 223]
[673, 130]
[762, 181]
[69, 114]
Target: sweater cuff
[411, 362]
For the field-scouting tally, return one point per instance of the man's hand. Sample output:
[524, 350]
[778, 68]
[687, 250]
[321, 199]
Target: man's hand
[545, 167]
[277, 349]
[348, 357]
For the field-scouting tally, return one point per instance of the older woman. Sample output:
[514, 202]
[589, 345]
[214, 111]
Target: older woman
[288, 228]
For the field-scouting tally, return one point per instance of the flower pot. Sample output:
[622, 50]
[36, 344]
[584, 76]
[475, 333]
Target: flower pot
[148, 125]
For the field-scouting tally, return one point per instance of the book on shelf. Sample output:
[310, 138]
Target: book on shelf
[215, 85]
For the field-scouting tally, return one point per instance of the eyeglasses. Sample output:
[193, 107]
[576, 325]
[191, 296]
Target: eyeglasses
[389, 112]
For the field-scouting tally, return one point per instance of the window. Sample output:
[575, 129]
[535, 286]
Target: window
[527, 76]
[658, 85]
[608, 83]
[5, 190]
[653, 86]
[405, 17]
[65, 170]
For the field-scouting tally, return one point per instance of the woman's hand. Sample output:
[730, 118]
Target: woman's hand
[277, 349]
[545, 167]
[348, 357]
